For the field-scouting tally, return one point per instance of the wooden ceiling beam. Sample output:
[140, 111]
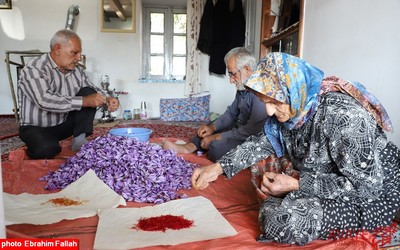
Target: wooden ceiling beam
[119, 10]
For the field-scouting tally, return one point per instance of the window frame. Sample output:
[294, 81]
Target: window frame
[168, 12]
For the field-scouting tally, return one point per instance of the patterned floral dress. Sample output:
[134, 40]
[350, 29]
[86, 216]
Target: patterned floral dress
[349, 174]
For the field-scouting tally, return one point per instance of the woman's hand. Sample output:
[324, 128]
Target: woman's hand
[202, 176]
[278, 184]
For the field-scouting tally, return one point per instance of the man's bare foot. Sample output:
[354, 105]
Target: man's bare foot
[187, 148]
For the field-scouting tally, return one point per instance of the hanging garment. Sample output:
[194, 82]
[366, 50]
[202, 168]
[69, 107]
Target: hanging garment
[206, 28]
[237, 26]
[228, 33]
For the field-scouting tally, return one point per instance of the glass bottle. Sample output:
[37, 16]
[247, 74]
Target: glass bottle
[127, 114]
[143, 111]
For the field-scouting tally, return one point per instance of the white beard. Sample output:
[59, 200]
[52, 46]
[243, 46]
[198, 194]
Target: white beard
[240, 86]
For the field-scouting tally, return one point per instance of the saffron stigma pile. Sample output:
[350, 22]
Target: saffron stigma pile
[163, 222]
[138, 171]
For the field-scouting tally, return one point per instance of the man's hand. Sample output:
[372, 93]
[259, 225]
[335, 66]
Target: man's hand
[112, 104]
[202, 176]
[205, 143]
[205, 130]
[93, 100]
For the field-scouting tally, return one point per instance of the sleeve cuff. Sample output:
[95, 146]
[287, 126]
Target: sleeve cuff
[76, 102]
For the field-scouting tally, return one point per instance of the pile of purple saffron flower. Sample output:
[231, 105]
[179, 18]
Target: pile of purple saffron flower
[139, 171]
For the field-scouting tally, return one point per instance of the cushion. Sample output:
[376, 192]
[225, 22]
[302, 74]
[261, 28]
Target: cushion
[185, 109]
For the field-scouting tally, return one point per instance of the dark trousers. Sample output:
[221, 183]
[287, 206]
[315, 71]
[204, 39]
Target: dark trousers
[43, 142]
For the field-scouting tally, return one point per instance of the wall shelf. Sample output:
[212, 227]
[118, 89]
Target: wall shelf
[290, 24]
[274, 38]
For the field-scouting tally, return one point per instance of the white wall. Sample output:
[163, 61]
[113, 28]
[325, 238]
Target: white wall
[30, 25]
[358, 40]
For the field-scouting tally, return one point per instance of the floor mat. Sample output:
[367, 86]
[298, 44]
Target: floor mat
[181, 130]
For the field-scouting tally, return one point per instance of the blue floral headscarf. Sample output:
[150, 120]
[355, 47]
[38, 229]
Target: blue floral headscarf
[291, 80]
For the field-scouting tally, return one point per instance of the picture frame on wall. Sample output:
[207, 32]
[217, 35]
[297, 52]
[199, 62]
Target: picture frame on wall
[5, 4]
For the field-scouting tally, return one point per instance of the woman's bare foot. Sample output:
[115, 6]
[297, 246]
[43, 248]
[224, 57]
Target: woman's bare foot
[187, 148]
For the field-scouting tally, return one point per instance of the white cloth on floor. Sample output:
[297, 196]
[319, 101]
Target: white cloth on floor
[88, 192]
[116, 226]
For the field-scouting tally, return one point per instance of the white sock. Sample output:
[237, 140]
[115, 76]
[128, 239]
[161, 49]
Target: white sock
[78, 142]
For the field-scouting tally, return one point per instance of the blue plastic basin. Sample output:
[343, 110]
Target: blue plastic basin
[142, 134]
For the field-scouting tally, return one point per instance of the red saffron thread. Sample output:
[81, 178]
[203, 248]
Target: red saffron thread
[64, 202]
[162, 223]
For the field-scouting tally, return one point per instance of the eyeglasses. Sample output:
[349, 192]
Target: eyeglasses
[232, 74]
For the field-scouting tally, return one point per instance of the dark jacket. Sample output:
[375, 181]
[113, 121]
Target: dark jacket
[206, 28]
[227, 32]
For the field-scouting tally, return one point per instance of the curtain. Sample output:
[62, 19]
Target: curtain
[194, 84]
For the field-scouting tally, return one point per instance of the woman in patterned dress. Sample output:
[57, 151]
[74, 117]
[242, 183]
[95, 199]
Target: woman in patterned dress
[332, 131]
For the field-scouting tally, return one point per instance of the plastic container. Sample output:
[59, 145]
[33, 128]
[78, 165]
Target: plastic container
[142, 134]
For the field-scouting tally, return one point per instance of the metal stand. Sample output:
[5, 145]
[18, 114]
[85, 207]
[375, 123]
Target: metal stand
[105, 83]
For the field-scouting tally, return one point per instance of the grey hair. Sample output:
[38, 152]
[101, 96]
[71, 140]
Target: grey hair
[62, 37]
[243, 57]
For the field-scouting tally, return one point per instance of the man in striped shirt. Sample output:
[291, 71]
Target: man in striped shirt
[57, 99]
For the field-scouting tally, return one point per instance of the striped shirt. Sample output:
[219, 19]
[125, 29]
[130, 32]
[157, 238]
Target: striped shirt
[46, 95]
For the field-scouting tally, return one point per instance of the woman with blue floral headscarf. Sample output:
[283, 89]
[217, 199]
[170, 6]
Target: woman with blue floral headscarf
[332, 132]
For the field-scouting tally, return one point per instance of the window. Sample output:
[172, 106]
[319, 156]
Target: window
[164, 43]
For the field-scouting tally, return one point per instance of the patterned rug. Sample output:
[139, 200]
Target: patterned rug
[9, 139]
[8, 126]
[180, 130]
[9, 144]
